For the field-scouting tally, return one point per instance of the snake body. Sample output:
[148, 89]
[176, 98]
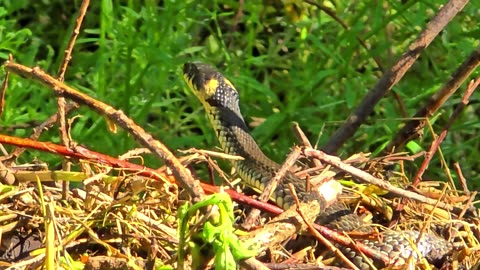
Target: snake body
[221, 102]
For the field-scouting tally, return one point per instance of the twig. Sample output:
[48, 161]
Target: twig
[290, 222]
[317, 235]
[366, 177]
[271, 185]
[468, 205]
[3, 89]
[61, 103]
[472, 86]
[71, 43]
[86, 154]
[253, 264]
[392, 76]
[428, 157]
[301, 137]
[461, 178]
[64, 139]
[37, 131]
[182, 175]
[301, 266]
[412, 129]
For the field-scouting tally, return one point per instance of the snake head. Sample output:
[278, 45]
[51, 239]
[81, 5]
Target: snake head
[210, 86]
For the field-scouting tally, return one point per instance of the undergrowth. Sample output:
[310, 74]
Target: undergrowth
[290, 62]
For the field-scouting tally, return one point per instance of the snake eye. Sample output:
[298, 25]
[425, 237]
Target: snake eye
[191, 75]
[201, 78]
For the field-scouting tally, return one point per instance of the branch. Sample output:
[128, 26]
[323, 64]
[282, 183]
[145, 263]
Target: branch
[118, 117]
[392, 76]
[412, 128]
[368, 178]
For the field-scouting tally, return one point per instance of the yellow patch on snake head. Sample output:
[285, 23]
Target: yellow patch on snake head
[210, 87]
[202, 79]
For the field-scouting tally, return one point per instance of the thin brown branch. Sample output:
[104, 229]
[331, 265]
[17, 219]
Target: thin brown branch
[183, 176]
[3, 89]
[436, 143]
[428, 157]
[253, 264]
[95, 157]
[302, 138]
[472, 86]
[392, 76]
[37, 131]
[469, 206]
[290, 222]
[71, 43]
[65, 139]
[317, 234]
[61, 103]
[401, 104]
[461, 178]
[413, 128]
[271, 185]
[368, 178]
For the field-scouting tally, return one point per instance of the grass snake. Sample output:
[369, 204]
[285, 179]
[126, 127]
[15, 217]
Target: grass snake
[221, 102]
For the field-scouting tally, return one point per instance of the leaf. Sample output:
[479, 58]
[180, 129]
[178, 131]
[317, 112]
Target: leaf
[414, 147]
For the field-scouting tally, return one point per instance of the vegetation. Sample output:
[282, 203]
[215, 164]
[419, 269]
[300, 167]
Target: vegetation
[289, 60]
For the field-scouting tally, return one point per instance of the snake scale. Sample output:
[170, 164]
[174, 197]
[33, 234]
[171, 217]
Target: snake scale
[221, 102]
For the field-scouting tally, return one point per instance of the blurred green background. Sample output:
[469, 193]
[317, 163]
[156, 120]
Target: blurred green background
[289, 60]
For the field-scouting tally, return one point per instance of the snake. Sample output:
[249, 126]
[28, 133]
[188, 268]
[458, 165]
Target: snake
[221, 101]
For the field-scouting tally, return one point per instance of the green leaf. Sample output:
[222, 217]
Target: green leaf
[413, 147]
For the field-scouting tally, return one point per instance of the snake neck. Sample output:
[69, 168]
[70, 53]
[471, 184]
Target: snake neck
[234, 136]
[256, 169]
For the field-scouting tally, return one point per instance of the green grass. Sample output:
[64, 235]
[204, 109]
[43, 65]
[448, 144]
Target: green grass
[309, 70]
